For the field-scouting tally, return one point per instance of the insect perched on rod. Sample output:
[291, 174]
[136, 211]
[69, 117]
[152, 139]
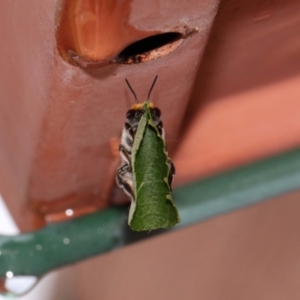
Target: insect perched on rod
[146, 172]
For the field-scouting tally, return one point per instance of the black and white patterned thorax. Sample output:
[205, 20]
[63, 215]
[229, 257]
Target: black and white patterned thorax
[133, 117]
[124, 175]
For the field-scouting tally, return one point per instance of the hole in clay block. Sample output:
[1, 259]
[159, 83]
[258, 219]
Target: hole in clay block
[150, 48]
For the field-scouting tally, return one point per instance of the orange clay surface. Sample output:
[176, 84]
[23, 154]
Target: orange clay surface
[58, 122]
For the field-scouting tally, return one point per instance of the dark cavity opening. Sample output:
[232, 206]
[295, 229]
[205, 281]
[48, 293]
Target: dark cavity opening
[146, 45]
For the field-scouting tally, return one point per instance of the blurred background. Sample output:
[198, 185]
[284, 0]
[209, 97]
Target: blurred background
[234, 88]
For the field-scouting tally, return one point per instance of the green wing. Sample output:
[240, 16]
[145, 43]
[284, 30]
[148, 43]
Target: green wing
[153, 207]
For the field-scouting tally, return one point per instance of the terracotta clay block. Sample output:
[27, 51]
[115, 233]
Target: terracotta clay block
[58, 121]
[246, 101]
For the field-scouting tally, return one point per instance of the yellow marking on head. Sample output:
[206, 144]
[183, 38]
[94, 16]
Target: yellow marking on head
[138, 106]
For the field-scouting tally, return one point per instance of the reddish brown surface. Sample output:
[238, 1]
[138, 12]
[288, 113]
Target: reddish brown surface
[245, 106]
[245, 255]
[246, 101]
[57, 120]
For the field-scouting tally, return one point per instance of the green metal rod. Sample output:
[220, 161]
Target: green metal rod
[64, 243]
[59, 244]
[238, 188]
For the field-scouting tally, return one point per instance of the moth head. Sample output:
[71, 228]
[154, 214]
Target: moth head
[134, 115]
[155, 114]
[136, 112]
[154, 111]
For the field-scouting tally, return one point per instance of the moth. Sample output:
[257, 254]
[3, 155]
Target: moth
[146, 172]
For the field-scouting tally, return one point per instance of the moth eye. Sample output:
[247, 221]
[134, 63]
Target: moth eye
[155, 113]
[130, 114]
[138, 114]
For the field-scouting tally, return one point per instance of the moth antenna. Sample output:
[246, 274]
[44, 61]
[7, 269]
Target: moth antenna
[152, 86]
[135, 97]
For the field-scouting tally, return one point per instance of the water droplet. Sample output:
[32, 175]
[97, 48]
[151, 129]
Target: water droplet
[16, 285]
[39, 247]
[9, 274]
[69, 212]
[66, 241]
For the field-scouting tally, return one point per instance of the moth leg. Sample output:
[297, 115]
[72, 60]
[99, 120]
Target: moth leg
[119, 176]
[172, 167]
[127, 137]
[171, 173]
[130, 130]
[124, 181]
[127, 188]
[160, 129]
[126, 156]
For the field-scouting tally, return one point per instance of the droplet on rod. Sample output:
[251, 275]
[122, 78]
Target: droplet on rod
[14, 286]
